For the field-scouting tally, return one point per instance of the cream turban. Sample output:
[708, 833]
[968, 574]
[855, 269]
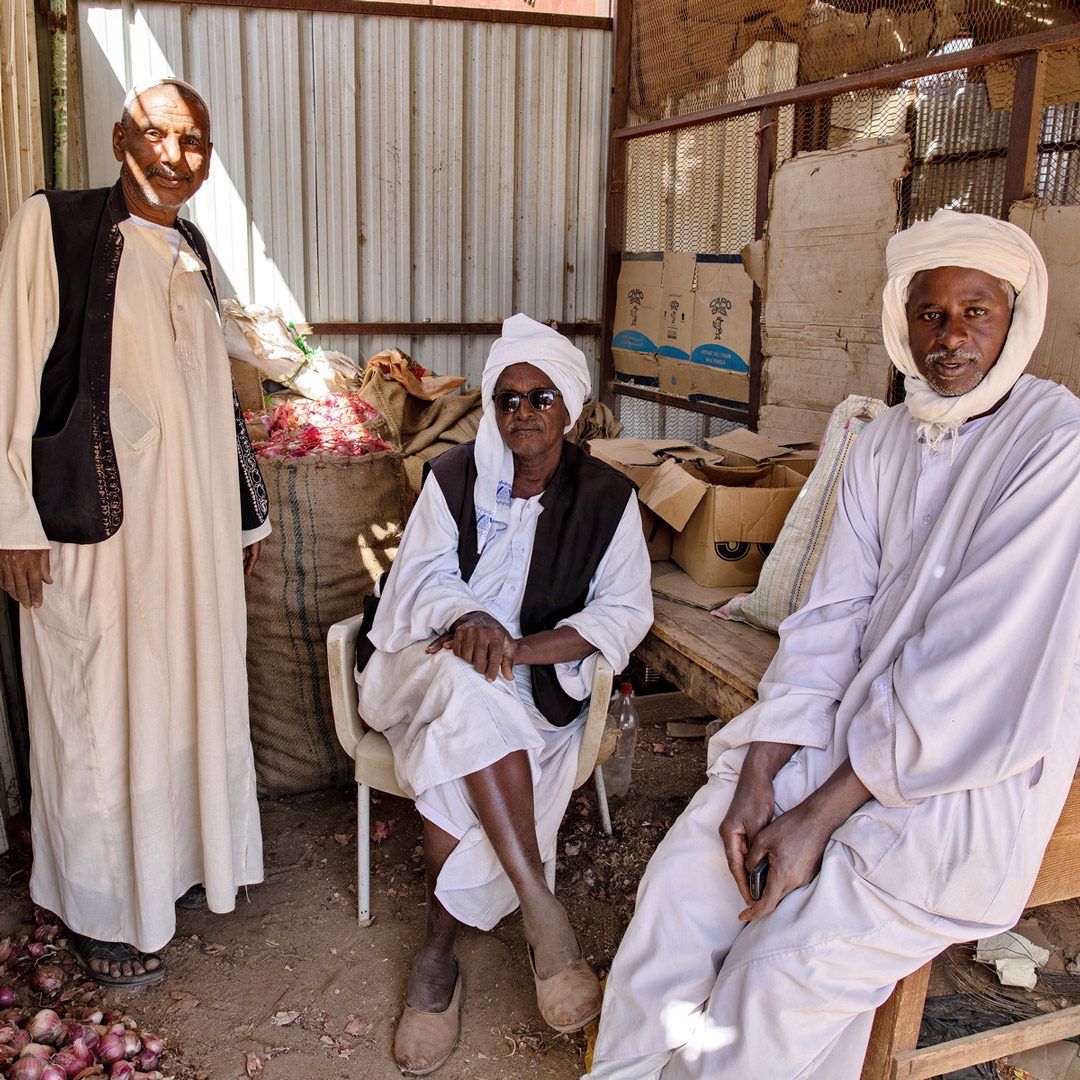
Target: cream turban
[523, 341]
[980, 243]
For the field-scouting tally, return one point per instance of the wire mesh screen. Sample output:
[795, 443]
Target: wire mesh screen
[692, 54]
[1057, 167]
[648, 420]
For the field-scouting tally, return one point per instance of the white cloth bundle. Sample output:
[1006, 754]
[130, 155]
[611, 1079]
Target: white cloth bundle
[981, 243]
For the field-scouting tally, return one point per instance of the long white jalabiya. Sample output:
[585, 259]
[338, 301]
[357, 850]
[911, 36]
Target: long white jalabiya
[523, 341]
[980, 243]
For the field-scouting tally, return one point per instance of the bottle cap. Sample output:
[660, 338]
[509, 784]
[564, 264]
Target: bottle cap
[626, 688]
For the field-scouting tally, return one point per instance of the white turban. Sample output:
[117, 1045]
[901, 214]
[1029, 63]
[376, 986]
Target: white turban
[523, 341]
[981, 243]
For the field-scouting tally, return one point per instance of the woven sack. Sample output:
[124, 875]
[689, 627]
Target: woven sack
[337, 525]
[790, 567]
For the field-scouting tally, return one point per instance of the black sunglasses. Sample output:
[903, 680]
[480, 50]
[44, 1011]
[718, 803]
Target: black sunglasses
[540, 400]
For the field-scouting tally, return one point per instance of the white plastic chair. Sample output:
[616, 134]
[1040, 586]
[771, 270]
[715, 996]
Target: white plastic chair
[374, 760]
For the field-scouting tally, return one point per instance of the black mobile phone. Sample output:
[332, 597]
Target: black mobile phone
[758, 876]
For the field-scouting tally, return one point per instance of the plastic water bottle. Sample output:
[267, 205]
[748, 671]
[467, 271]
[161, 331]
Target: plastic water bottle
[623, 716]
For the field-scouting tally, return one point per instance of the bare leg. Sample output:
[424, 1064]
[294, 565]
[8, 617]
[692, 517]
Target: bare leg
[503, 798]
[431, 980]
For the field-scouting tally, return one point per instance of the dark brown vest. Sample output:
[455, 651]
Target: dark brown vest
[76, 481]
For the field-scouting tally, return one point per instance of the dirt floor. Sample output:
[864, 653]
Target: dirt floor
[289, 987]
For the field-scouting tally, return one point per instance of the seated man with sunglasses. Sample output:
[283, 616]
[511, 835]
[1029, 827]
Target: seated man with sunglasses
[522, 559]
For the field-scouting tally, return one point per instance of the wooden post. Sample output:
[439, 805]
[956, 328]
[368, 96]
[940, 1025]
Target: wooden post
[615, 208]
[769, 121]
[896, 1025]
[1024, 127]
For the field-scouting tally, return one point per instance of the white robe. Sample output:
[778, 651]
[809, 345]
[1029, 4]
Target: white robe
[140, 755]
[938, 650]
[444, 720]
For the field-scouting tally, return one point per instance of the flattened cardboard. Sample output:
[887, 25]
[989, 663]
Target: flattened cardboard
[685, 378]
[638, 459]
[636, 366]
[743, 447]
[722, 314]
[637, 311]
[1056, 232]
[725, 519]
[677, 305]
[825, 270]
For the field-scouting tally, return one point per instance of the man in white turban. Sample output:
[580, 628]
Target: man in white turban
[917, 733]
[522, 560]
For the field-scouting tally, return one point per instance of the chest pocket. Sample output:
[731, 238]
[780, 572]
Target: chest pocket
[132, 428]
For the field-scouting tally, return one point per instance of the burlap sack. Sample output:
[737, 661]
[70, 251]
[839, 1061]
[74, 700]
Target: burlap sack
[337, 525]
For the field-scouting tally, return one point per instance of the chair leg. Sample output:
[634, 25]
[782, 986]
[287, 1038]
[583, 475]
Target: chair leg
[896, 1025]
[363, 852]
[601, 800]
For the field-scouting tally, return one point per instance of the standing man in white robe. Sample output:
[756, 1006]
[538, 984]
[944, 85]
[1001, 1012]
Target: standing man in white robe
[522, 559]
[917, 733]
[130, 507]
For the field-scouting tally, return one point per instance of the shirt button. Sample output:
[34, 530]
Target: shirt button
[179, 307]
[927, 519]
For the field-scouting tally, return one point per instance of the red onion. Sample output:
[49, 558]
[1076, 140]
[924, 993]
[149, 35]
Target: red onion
[46, 932]
[7, 997]
[121, 1070]
[111, 1048]
[117, 1029]
[7, 1053]
[86, 1034]
[112, 1016]
[53, 1072]
[38, 1050]
[15, 1017]
[45, 1027]
[132, 1044]
[27, 1068]
[93, 1016]
[48, 978]
[73, 1059]
[20, 1040]
[145, 1062]
[155, 1044]
[35, 949]
[7, 1033]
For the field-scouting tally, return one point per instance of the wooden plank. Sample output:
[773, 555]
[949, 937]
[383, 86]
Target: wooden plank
[678, 730]
[896, 1025]
[662, 708]
[1059, 876]
[987, 1046]
[717, 663]
[422, 11]
[430, 327]
[1024, 125]
[892, 75]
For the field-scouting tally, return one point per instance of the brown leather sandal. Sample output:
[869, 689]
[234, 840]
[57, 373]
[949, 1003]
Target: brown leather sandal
[569, 999]
[425, 1040]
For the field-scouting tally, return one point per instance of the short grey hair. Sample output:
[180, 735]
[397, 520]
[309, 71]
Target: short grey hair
[184, 89]
[1009, 291]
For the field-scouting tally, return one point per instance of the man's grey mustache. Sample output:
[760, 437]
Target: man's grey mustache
[949, 355]
[168, 174]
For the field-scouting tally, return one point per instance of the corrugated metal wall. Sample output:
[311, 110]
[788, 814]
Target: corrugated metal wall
[377, 168]
[22, 162]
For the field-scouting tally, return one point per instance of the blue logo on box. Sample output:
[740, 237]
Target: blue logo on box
[719, 356]
[634, 340]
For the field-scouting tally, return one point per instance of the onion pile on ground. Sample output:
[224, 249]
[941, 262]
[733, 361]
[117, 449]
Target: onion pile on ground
[66, 1041]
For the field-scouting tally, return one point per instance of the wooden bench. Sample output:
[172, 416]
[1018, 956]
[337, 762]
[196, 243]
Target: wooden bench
[719, 664]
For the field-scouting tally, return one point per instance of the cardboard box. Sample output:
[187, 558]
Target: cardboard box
[744, 448]
[725, 519]
[639, 459]
[687, 379]
[723, 311]
[637, 310]
[677, 306]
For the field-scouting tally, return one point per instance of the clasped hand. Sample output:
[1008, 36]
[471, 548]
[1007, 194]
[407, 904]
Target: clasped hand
[482, 641]
[794, 842]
